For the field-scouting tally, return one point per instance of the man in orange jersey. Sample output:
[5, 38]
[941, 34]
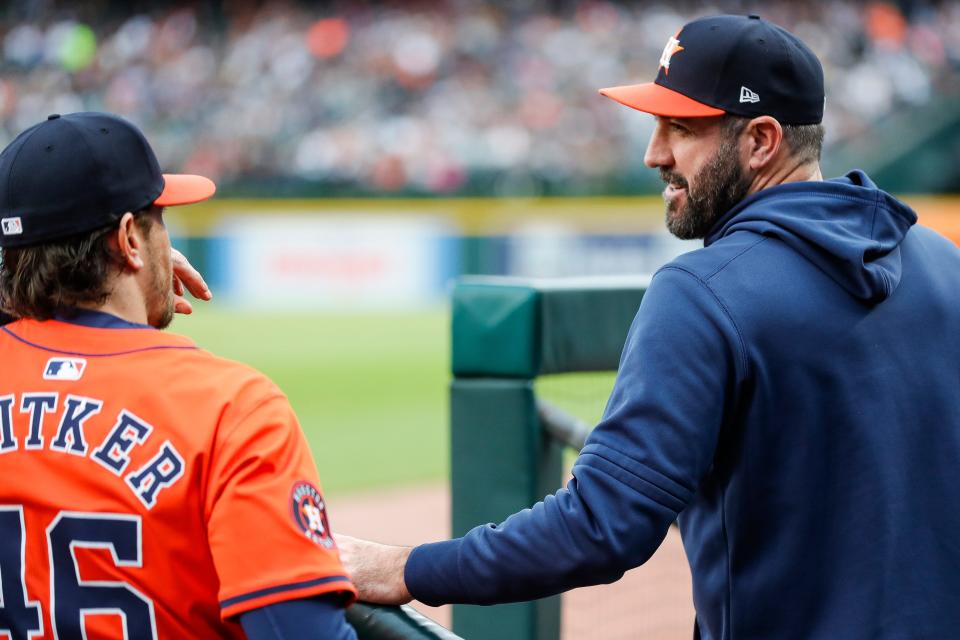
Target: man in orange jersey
[151, 489]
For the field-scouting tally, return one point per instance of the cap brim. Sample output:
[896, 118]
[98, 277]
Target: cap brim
[660, 101]
[184, 189]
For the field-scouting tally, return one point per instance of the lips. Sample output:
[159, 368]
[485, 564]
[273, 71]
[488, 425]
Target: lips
[673, 190]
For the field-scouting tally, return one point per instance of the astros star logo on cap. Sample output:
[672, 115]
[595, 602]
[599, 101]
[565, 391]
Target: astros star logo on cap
[673, 46]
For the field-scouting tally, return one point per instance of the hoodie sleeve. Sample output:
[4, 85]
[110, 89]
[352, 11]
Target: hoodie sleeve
[638, 470]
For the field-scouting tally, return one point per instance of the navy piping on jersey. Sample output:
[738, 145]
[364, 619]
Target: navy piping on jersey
[229, 602]
[98, 320]
[95, 355]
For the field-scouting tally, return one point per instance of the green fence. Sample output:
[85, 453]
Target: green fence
[506, 443]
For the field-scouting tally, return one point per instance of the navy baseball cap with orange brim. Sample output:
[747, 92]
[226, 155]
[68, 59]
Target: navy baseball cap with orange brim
[80, 172]
[741, 65]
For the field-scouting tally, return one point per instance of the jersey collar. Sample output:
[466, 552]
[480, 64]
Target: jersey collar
[70, 337]
[97, 320]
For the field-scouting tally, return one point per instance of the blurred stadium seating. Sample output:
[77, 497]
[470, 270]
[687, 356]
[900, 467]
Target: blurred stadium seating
[443, 98]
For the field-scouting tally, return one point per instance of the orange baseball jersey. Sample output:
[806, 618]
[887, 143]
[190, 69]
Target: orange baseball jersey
[150, 489]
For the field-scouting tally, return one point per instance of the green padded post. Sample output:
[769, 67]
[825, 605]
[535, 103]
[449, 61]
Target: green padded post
[507, 331]
[501, 463]
[495, 330]
[516, 328]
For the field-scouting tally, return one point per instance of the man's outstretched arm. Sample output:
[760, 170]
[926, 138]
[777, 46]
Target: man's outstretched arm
[638, 470]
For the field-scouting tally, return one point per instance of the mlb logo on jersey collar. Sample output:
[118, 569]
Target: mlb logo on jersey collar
[64, 369]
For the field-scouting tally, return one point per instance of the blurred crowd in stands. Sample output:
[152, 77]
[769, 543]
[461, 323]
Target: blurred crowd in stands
[425, 97]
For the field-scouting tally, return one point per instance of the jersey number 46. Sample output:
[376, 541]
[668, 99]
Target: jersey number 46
[70, 597]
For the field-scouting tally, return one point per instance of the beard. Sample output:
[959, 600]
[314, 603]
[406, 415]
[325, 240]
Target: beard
[718, 187]
[160, 303]
[165, 314]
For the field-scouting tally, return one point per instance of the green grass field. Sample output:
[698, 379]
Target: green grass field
[370, 390]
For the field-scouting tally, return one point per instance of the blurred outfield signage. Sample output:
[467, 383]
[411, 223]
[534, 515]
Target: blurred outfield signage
[547, 249]
[396, 254]
[335, 261]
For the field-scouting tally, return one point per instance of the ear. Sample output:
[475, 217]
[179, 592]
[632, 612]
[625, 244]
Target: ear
[763, 136]
[130, 243]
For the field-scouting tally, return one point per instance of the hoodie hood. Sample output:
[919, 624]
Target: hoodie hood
[847, 227]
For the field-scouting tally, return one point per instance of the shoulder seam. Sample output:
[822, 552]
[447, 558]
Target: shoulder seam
[253, 409]
[278, 395]
[221, 435]
[734, 257]
[741, 347]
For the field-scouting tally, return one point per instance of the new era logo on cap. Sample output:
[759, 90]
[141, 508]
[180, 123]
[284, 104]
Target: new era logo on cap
[748, 96]
[11, 226]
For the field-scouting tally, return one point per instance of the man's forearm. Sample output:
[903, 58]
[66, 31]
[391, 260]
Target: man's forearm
[559, 544]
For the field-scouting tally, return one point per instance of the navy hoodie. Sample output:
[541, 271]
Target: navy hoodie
[792, 392]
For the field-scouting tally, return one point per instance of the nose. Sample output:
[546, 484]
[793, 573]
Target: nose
[658, 152]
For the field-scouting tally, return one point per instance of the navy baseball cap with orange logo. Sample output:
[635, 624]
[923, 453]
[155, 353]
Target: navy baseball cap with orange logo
[79, 172]
[741, 65]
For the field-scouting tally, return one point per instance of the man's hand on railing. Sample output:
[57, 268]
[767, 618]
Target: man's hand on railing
[376, 569]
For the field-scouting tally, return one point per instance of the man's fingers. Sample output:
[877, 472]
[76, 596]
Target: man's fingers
[186, 278]
[182, 305]
[189, 277]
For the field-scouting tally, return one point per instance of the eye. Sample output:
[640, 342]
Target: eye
[676, 126]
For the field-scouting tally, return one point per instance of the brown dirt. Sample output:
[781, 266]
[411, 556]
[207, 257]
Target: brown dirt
[652, 602]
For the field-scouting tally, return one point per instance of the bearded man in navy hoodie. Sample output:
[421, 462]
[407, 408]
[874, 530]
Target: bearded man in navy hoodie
[790, 392]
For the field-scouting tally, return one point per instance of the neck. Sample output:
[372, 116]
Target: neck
[125, 302]
[787, 172]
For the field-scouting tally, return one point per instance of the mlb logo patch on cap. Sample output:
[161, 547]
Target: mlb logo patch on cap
[64, 369]
[11, 226]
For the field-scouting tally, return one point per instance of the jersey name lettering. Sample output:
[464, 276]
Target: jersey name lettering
[113, 453]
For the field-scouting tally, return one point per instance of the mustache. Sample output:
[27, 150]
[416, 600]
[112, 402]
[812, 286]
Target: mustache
[671, 177]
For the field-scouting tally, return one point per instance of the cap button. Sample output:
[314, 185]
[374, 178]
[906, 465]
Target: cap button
[53, 116]
[753, 16]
